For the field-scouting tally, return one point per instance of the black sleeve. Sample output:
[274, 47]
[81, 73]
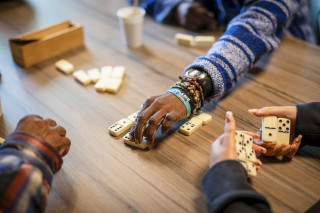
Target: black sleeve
[308, 123]
[227, 190]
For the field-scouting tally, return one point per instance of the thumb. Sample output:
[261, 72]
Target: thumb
[229, 130]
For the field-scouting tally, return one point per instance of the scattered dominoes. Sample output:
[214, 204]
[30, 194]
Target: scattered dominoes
[195, 123]
[120, 127]
[142, 145]
[111, 79]
[276, 130]
[204, 117]
[184, 39]
[118, 72]
[82, 77]
[94, 75]
[106, 71]
[113, 85]
[64, 66]
[133, 116]
[101, 85]
[197, 41]
[247, 156]
[204, 41]
[190, 126]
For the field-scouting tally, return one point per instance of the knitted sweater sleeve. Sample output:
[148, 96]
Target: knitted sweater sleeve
[255, 31]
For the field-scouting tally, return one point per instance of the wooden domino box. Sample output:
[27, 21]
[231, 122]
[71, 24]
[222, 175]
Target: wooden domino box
[34, 47]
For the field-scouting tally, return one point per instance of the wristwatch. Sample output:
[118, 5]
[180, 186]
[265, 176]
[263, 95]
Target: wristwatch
[202, 78]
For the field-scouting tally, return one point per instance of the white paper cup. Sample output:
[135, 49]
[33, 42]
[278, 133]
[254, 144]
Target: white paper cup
[131, 25]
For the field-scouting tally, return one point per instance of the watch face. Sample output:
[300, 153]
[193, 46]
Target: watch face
[191, 73]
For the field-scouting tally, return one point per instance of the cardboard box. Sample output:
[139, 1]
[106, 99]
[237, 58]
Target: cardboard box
[34, 47]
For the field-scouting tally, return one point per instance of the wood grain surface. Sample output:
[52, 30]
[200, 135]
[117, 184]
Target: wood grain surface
[100, 173]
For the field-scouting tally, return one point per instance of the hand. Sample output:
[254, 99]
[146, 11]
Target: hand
[47, 130]
[224, 148]
[193, 16]
[162, 109]
[273, 149]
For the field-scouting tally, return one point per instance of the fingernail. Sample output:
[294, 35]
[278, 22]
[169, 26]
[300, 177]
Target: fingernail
[229, 115]
[298, 140]
[263, 150]
[252, 110]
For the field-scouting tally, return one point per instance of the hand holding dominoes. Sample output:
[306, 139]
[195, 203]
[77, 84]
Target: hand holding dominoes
[235, 145]
[277, 130]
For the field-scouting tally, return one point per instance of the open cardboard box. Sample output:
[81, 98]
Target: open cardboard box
[31, 48]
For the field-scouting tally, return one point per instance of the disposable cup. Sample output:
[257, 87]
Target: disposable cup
[131, 25]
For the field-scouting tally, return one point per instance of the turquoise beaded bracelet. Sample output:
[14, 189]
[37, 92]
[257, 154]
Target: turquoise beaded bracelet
[183, 98]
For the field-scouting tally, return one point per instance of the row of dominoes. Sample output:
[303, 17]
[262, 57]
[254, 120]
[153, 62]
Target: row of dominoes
[123, 125]
[195, 41]
[108, 80]
[195, 123]
[276, 130]
[247, 156]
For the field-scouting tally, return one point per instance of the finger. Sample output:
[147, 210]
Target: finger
[279, 111]
[60, 130]
[285, 150]
[258, 163]
[153, 124]
[229, 131]
[259, 149]
[295, 146]
[273, 151]
[167, 122]
[51, 122]
[254, 135]
[142, 119]
[36, 116]
[67, 144]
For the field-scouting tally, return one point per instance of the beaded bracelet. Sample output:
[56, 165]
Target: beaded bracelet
[183, 98]
[193, 88]
[199, 88]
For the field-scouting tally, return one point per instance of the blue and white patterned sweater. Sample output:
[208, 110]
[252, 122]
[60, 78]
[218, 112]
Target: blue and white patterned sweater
[256, 30]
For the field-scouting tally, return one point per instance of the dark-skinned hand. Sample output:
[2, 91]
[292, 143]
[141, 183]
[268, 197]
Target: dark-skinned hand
[161, 109]
[47, 130]
[193, 16]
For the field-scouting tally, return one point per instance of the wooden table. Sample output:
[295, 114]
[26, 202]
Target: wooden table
[100, 173]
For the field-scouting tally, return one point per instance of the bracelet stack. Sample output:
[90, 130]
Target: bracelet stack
[194, 91]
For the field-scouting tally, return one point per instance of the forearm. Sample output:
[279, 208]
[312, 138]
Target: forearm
[257, 30]
[226, 187]
[27, 165]
[308, 123]
[161, 10]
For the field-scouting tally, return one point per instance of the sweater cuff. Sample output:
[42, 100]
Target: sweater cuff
[227, 182]
[33, 150]
[217, 76]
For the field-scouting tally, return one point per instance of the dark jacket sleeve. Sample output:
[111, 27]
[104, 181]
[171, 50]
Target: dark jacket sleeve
[227, 190]
[308, 123]
[161, 10]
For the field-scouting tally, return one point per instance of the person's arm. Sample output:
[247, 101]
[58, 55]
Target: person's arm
[254, 32]
[161, 10]
[227, 189]
[308, 123]
[225, 184]
[28, 159]
[257, 30]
